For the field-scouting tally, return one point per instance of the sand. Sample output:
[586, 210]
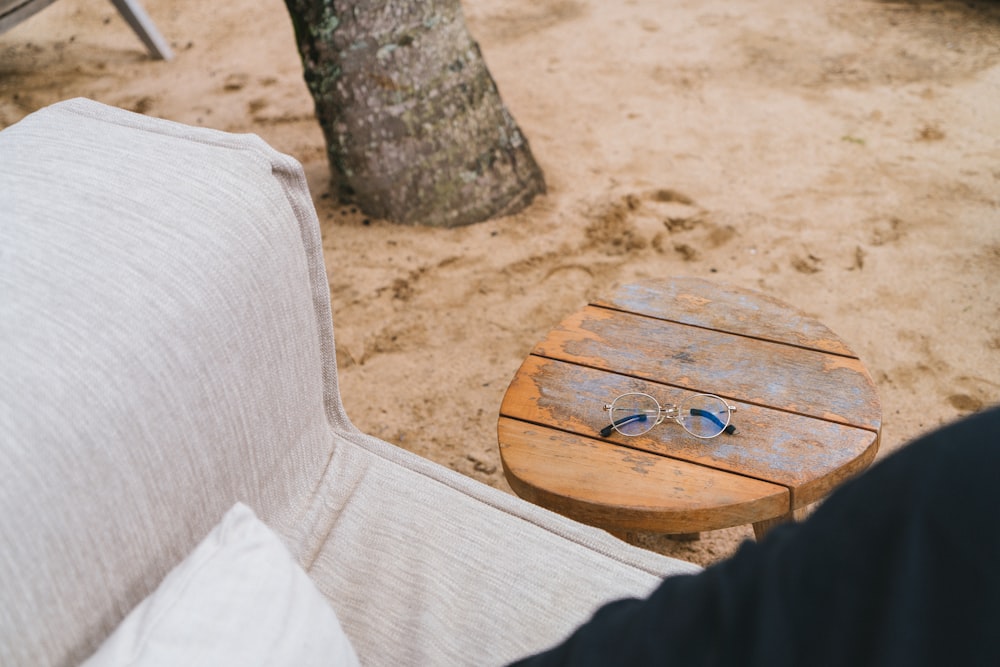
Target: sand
[843, 157]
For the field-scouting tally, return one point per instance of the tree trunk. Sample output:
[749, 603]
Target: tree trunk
[415, 128]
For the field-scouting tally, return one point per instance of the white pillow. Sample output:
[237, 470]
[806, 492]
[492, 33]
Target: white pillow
[238, 599]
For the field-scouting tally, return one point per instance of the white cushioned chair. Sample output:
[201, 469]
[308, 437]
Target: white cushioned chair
[167, 351]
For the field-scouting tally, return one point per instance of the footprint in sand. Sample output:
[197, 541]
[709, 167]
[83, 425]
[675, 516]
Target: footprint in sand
[664, 219]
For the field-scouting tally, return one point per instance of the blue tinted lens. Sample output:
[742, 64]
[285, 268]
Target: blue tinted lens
[634, 414]
[704, 416]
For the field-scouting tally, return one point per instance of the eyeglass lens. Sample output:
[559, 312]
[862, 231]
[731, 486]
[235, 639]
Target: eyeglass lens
[634, 414]
[704, 416]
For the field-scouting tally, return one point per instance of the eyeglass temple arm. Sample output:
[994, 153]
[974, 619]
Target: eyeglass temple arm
[698, 412]
[606, 431]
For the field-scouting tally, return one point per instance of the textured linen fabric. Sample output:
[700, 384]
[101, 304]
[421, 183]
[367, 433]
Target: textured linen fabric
[166, 350]
[427, 567]
[238, 600]
[161, 358]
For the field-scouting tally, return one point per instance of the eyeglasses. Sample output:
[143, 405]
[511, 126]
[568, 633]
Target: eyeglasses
[701, 415]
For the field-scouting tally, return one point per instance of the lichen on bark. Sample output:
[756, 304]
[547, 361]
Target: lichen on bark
[415, 128]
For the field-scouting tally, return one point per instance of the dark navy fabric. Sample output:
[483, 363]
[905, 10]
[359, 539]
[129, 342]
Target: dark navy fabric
[898, 567]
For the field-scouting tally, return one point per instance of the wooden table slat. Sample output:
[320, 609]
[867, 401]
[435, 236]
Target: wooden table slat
[725, 308]
[582, 478]
[809, 456]
[808, 382]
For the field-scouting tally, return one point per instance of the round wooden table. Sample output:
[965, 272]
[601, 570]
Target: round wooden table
[808, 416]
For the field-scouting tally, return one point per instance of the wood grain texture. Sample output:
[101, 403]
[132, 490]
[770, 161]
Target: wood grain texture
[808, 415]
[725, 308]
[798, 380]
[608, 485]
[762, 528]
[808, 456]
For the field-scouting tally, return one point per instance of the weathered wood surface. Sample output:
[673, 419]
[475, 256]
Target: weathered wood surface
[808, 414]
[762, 528]
[603, 484]
[808, 456]
[725, 308]
[818, 384]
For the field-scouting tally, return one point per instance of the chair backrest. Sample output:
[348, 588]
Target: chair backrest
[165, 350]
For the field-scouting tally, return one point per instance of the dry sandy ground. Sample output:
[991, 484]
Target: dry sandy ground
[843, 156]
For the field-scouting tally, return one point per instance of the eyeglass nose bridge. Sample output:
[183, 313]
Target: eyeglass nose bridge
[660, 416]
[670, 411]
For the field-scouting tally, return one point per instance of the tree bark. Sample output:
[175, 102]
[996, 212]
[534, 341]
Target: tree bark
[415, 128]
